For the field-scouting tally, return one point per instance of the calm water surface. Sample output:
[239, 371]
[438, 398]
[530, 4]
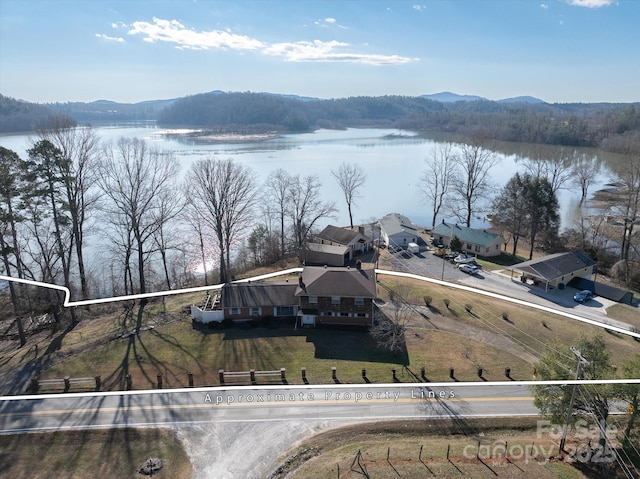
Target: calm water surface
[393, 159]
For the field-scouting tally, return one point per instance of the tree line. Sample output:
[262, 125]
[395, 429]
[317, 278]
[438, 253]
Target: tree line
[456, 181]
[151, 225]
[606, 125]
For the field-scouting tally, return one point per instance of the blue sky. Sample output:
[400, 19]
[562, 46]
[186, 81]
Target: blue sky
[135, 50]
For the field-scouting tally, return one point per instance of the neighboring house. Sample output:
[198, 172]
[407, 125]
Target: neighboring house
[356, 241]
[478, 242]
[398, 231]
[341, 296]
[555, 270]
[317, 254]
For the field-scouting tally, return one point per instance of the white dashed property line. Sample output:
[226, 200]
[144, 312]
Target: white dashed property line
[67, 295]
[284, 387]
[68, 303]
[510, 300]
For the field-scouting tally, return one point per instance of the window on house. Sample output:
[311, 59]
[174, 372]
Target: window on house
[469, 245]
[344, 315]
[313, 300]
[234, 311]
[284, 311]
[359, 301]
[335, 300]
[477, 248]
[255, 311]
[362, 315]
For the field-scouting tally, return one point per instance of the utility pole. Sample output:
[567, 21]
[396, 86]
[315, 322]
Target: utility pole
[581, 361]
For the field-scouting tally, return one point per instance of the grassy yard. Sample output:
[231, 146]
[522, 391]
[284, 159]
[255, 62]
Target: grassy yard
[173, 348]
[531, 328]
[626, 313]
[419, 449]
[90, 454]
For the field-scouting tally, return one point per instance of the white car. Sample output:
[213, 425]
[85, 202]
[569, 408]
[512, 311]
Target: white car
[468, 268]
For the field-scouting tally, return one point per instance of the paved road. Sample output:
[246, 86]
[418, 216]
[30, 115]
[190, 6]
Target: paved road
[267, 403]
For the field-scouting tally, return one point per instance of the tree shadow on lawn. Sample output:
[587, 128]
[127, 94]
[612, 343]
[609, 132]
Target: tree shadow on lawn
[331, 342]
[352, 346]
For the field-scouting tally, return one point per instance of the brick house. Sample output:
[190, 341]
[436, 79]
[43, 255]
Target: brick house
[336, 296]
[253, 301]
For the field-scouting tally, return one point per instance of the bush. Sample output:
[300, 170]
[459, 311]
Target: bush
[427, 300]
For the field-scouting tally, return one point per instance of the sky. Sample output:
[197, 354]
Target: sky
[134, 50]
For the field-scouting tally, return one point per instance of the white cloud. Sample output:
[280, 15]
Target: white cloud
[592, 3]
[544, 6]
[318, 51]
[172, 31]
[420, 8]
[110, 39]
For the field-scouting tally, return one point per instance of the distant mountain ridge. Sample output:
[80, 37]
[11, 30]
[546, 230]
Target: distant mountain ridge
[450, 97]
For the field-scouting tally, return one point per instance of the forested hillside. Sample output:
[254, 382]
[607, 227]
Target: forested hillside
[16, 115]
[605, 125]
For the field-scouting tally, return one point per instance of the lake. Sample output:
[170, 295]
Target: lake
[393, 159]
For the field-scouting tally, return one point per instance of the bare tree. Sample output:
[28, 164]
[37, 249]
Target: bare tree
[350, 177]
[170, 205]
[626, 202]
[435, 182]
[226, 193]
[389, 329]
[276, 196]
[583, 173]
[79, 146]
[556, 166]
[194, 217]
[306, 207]
[132, 177]
[473, 181]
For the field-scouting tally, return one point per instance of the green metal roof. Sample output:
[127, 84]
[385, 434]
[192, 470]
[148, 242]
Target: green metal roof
[464, 234]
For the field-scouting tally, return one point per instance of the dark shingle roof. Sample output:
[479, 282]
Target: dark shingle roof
[555, 265]
[336, 281]
[338, 235]
[253, 295]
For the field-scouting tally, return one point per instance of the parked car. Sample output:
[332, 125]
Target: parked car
[583, 296]
[468, 268]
